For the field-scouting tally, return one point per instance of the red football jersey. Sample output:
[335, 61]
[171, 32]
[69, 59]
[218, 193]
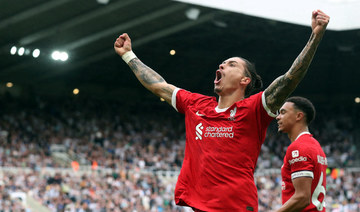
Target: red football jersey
[305, 158]
[222, 148]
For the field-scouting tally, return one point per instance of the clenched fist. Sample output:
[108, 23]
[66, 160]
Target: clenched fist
[122, 44]
[319, 21]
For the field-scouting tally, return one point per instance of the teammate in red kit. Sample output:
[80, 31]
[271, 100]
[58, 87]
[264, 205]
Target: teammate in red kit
[304, 170]
[224, 137]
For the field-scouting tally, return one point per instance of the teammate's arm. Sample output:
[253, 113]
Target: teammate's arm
[301, 197]
[284, 85]
[147, 77]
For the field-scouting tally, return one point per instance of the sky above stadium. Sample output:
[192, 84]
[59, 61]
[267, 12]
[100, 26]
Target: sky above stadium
[344, 14]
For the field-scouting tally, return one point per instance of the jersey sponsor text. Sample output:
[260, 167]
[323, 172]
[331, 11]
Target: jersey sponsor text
[299, 159]
[219, 132]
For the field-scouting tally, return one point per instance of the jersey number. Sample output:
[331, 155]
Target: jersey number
[318, 190]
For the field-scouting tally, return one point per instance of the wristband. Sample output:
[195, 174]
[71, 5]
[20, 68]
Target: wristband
[128, 56]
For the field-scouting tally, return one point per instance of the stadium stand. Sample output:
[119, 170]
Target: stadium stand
[103, 157]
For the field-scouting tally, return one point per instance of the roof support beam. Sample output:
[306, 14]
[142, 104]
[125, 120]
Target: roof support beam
[147, 39]
[110, 31]
[31, 12]
[107, 32]
[74, 22]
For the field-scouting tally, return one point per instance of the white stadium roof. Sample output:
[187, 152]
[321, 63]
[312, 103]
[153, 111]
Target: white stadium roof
[344, 14]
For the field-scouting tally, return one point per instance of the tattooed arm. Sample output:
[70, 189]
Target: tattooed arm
[284, 85]
[152, 80]
[147, 77]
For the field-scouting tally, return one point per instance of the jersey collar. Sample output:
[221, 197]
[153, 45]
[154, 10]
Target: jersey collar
[303, 133]
[218, 110]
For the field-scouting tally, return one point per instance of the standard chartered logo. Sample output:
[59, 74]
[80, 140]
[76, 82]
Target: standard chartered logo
[199, 132]
[213, 132]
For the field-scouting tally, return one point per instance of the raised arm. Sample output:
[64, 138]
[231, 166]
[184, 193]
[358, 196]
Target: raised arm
[284, 85]
[147, 77]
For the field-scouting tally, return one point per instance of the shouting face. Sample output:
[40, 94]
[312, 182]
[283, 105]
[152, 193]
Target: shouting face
[230, 76]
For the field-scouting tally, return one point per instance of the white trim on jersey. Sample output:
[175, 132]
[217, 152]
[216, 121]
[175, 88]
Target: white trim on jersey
[173, 98]
[266, 107]
[303, 133]
[302, 174]
[218, 110]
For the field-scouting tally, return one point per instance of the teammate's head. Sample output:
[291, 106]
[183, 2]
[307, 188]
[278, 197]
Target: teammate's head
[304, 105]
[295, 110]
[235, 73]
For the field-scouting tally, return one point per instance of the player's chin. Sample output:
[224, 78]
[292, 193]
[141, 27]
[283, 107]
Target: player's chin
[217, 90]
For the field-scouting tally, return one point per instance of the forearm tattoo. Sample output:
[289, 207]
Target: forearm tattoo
[145, 75]
[167, 93]
[151, 80]
[284, 85]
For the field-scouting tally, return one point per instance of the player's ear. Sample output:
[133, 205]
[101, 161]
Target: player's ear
[245, 80]
[300, 116]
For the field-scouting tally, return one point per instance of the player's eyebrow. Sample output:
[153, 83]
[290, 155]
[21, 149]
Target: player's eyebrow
[230, 61]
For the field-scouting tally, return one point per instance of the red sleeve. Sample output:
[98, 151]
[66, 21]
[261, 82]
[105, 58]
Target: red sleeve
[300, 161]
[182, 99]
[263, 114]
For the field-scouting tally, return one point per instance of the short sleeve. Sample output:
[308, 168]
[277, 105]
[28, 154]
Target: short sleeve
[181, 99]
[267, 109]
[300, 161]
[263, 115]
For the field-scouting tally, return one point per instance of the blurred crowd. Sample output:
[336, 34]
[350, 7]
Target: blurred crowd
[136, 141]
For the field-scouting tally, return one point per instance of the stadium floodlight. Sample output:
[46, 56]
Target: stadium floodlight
[55, 55]
[36, 53]
[27, 51]
[64, 56]
[21, 51]
[13, 50]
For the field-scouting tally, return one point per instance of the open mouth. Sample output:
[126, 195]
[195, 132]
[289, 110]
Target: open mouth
[218, 77]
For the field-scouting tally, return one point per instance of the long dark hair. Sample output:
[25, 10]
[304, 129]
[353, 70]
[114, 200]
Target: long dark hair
[256, 82]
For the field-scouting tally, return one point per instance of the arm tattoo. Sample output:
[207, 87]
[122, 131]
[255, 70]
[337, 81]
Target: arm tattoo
[284, 85]
[167, 93]
[151, 80]
[145, 75]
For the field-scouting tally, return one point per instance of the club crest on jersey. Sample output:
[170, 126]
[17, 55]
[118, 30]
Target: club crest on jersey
[232, 114]
[295, 153]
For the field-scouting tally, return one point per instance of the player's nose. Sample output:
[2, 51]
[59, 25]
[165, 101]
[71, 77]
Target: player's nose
[221, 66]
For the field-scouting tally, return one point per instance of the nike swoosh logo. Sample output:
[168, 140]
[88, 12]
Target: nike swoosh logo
[197, 113]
